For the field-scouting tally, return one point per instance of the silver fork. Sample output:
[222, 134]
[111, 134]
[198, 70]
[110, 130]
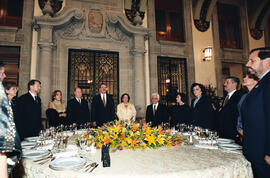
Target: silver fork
[89, 166]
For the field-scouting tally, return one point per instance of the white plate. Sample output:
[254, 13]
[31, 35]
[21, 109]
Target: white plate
[225, 140]
[229, 146]
[24, 143]
[70, 163]
[35, 154]
[31, 139]
[28, 145]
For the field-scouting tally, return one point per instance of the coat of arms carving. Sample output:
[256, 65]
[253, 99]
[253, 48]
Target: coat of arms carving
[95, 21]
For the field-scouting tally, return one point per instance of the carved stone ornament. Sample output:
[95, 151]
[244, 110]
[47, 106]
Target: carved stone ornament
[50, 7]
[256, 33]
[201, 25]
[95, 21]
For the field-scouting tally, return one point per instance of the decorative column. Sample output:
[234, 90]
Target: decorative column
[139, 74]
[45, 26]
[45, 63]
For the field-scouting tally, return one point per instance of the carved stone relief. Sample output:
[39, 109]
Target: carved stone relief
[97, 24]
[95, 21]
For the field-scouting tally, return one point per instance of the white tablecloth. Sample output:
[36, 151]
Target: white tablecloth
[178, 161]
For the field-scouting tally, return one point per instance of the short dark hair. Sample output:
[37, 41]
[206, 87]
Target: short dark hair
[2, 64]
[32, 82]
[9, 85]
[122, 97]
[54, 93]
[264, 52]
[183, 97]
[102, 84]
[76, 88]
[199, 85]
[235, 80]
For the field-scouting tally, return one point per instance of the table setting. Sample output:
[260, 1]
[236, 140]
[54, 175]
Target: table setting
[182, 151]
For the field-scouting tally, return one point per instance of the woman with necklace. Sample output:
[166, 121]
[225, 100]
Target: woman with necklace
[126, 110]
[57, 110]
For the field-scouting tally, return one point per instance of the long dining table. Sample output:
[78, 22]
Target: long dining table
[178, 161]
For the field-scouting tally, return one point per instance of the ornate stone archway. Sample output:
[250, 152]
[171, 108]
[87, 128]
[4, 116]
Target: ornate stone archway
[90, 29]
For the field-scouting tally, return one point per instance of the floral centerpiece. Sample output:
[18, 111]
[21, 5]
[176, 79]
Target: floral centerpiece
[130, 135]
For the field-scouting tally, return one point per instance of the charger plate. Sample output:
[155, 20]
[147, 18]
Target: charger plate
[33, 154]
[70, 163]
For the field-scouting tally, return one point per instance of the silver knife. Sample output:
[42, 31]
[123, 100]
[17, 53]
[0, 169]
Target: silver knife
[94, 168]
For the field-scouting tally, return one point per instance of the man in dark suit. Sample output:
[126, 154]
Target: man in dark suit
[28, 111]
[229, 113]
[156, 113]
[103, 110]
[78, 109]
[255, 113]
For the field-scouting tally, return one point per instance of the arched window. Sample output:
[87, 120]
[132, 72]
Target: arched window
[11, 13]
[169, 20]
[229, 26]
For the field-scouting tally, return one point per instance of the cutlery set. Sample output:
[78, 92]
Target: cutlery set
[90, 167]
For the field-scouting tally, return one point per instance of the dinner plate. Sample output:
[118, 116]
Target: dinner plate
[225, 140]
[31, 139]
[230, 146]
[27, 145]
[61, 164]
[33, 154]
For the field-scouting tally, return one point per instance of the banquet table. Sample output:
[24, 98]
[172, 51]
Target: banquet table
[178, 161]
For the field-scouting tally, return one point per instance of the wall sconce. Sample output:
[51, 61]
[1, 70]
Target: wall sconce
[208, 53]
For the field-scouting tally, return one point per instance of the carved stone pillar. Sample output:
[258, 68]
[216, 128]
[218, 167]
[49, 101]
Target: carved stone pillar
[45, 64]
[139, 74]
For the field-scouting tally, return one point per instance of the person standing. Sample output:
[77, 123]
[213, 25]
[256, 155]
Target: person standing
[250, 81]
[256, 114]
[28, 111]
[201, 107]
[10, 147]
[181, 112]
[126, 110]
[78, 109]
[156, 113]
[103, 110]
[228, 113]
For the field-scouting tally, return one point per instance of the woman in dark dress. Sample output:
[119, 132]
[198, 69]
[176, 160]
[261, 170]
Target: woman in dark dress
[201, 105]
[56, 111]
[181, 112]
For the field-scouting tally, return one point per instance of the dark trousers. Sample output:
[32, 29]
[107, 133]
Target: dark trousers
[260, 170]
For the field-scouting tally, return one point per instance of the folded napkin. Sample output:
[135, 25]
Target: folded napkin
[206, 146]
[66, 154]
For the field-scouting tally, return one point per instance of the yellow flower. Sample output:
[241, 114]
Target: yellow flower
[160, 140]
[150, 139]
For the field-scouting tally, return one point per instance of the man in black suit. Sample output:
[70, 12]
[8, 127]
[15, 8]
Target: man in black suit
[28, 111]
[78, 109]
[156, 113]
[256, 115]
[229, 113]
[103, 110]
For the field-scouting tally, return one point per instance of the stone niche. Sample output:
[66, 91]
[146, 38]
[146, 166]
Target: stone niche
[92, 29]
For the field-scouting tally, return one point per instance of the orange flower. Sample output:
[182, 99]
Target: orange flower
[168, 131]
[178, 135]
[106, 141]
[122, 137]
[160, 132]
[136, 127]
[133, 142]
